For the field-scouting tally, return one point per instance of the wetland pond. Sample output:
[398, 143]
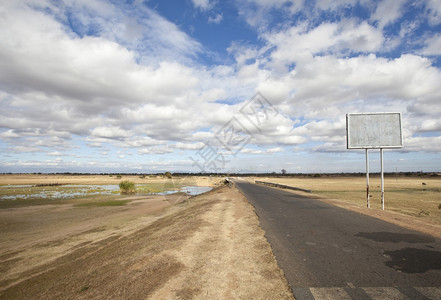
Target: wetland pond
[69, 191]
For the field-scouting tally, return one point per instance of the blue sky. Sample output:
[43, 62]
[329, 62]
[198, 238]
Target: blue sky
[153, 86]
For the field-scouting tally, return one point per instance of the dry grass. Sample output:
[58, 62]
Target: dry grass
[24, 179]
[406, 195]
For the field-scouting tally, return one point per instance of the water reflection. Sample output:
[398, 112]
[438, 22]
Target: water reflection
[14, 192]
[189, 190]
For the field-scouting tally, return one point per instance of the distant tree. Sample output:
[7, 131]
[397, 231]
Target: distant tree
[283, 171]
[168, 175]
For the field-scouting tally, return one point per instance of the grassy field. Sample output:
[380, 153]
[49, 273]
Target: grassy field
[33, 179]
[415, 196]
[18, 190]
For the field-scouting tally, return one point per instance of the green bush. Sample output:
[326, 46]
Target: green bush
[127, 187]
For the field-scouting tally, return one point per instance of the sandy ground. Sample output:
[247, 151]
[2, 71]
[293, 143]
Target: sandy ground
[156, 247]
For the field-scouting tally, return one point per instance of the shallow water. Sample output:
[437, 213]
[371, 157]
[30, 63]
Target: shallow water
[189, 190]
[195, 190]
[14, 192]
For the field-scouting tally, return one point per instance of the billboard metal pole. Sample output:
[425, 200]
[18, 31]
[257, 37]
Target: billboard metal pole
[382, 179]
[374, 131]
[367, 179]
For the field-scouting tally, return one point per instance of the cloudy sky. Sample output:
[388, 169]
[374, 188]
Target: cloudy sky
[168, 85]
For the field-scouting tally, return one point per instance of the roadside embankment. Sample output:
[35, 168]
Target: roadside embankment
[207, 247]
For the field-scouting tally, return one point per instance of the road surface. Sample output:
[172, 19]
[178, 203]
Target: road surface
[328, 252]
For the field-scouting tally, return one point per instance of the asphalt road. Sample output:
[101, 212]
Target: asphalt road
[328, 252]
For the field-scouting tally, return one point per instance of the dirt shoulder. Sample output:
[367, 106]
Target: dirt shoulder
[210, 246]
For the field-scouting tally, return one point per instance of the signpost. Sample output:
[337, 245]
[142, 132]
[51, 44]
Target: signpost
[374, 131]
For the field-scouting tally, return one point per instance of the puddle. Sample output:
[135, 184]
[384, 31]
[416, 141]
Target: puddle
[195, 190]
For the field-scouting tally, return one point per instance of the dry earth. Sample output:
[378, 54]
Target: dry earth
[205, 247]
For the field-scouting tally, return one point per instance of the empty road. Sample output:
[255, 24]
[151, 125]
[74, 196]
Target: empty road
[328, 252]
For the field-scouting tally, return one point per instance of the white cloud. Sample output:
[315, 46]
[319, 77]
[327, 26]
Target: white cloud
[423, 144]
[110, 132]
[81, 83]
[433, 11]
[252, 151]
[203, 4]
[432, 45]
[299, 43]
[189, 146]
[262, 152]
[55, 153]
[275, 150]
[94, 72]
[8, 134]
[216, 19]
[138, 141]
[155, 150]
[334, 4]
[388, 11]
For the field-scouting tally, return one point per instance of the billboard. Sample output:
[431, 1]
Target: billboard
[374, 130]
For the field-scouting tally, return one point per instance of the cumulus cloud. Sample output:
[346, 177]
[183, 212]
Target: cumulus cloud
[334, 4]
[110, 132]
[155, 150]
[263, 152]
[388, 11]
[433, 11]
[300, 43]
[189, 146]
[432, 45]
[203, 4]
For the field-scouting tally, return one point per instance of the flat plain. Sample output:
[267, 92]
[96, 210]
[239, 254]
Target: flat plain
[169, 246]
[107, 245]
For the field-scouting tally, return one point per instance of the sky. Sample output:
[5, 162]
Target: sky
[215, 86]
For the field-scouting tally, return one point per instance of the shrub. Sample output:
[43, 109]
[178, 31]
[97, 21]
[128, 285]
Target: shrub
[127, 187]
[168, 175]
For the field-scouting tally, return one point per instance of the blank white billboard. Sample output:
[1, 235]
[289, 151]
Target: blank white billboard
[374, 130]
